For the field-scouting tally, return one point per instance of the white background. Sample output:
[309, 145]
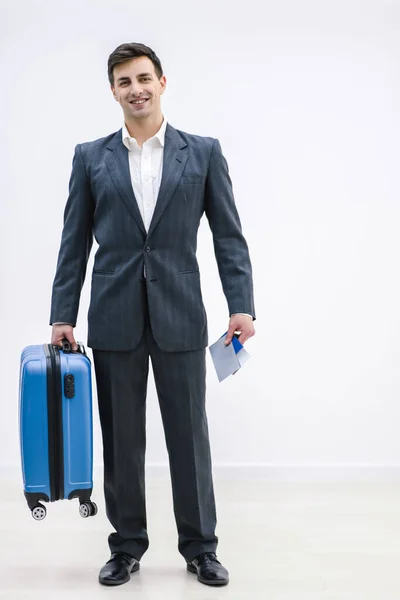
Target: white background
[304, 98]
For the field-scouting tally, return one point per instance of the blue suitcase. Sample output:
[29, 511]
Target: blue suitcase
[56, 428]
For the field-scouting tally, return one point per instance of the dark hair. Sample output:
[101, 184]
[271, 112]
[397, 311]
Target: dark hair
[126, 52]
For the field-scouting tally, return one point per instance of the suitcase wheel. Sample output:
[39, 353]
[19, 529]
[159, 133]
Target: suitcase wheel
[39, 512]
[87, 509]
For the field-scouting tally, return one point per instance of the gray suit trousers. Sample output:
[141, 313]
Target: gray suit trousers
[180, 382]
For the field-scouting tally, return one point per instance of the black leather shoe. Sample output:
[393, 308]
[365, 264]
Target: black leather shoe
[118, 569]
[209, 570]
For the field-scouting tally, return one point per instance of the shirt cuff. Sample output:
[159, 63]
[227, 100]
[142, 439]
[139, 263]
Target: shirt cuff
[246, 315]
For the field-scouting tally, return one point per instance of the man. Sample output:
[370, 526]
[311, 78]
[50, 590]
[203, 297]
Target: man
[142, 192]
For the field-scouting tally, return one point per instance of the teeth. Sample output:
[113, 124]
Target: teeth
[139, 101]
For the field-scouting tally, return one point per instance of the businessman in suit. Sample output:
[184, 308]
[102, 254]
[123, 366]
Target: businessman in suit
[142, 192]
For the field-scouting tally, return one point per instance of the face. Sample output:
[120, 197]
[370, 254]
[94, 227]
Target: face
[138, 89]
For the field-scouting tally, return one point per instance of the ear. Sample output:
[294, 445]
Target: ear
[113, 92]
[163, 84]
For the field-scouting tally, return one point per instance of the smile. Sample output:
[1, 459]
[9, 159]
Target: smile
[138, 101]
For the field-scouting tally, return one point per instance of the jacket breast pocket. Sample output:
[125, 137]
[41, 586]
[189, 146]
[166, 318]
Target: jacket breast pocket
[194, 178]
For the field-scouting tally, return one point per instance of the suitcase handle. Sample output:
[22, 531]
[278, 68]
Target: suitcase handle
[67, 348]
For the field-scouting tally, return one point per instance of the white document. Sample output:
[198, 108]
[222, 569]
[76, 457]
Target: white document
[228, 359]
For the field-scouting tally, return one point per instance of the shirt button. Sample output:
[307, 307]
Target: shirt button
[147, 249]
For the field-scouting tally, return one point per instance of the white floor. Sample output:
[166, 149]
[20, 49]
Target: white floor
[280, 541]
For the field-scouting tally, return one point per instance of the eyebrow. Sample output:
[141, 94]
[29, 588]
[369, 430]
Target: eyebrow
[137, 76]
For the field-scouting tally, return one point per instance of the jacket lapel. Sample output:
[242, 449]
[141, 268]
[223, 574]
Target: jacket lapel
[174, 161]
[117, 163]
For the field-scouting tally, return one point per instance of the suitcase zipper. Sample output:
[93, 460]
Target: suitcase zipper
[55, 426]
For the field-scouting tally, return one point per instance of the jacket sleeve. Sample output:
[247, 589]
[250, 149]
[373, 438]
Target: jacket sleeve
[76, 243]
[230, 247]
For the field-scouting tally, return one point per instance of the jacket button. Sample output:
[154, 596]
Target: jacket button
[147, 249]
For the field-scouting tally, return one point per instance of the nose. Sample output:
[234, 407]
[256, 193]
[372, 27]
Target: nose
[136, 89]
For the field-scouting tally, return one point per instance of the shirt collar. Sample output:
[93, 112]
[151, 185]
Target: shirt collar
[131, 143]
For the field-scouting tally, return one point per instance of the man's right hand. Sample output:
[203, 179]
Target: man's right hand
[59, 332]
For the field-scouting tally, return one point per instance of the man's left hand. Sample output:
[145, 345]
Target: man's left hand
[241, 324]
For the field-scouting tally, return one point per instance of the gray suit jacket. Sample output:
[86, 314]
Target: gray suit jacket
[101, 202]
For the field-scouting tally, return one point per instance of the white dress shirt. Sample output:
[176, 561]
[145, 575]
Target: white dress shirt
[145, 166]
